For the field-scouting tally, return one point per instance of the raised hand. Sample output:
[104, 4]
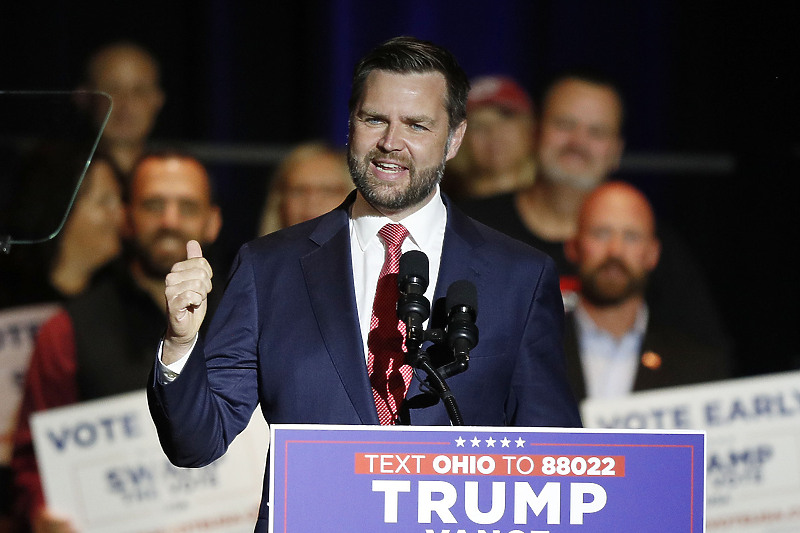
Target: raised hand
[188, 285]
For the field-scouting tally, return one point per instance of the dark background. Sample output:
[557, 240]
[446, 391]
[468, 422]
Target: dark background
[711, 92]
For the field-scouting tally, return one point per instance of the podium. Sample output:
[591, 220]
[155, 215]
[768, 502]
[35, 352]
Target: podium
[485, 480]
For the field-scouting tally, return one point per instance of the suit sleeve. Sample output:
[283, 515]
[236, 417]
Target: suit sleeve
[200, 413]
[540, 393]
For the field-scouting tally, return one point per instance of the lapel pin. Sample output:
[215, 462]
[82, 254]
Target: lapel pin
[651, 360]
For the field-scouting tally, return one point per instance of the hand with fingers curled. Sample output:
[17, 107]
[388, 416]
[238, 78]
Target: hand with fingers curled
[188, 285]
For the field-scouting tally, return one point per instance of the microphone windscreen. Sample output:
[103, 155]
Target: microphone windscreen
[462, 293]
[413, 263]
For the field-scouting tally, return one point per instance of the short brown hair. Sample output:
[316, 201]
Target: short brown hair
[404, 55]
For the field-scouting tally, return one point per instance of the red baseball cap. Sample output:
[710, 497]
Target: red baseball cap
[499, 91]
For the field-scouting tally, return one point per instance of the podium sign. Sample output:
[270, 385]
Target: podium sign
[493, 480]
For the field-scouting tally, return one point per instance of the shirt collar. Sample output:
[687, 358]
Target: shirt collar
[586, 323]
[418, 224]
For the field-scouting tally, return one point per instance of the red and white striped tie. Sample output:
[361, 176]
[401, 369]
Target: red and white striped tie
[389, 375]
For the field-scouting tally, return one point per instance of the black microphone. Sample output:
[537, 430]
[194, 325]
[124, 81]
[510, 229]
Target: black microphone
[412, 306]
[461, 332]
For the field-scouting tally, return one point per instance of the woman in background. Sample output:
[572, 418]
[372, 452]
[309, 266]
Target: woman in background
[90, 238]
[310, 181]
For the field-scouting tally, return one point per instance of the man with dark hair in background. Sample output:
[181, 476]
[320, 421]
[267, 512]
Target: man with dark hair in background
[101, 344]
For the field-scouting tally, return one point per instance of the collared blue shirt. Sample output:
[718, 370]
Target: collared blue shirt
[609, 363]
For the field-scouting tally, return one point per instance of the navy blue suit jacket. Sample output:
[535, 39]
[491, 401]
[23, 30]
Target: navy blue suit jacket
[286, 335]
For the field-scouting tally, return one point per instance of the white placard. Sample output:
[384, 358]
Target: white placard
[753, 445]
[18, 328]
[102, 465]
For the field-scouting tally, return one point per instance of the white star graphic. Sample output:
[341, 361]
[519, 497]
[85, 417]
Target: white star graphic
[490, 442]
[476, 442]
[460, 442]
[520, 442]
[505, 442]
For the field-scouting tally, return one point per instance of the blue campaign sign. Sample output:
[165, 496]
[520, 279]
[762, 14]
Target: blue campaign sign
[485, 480]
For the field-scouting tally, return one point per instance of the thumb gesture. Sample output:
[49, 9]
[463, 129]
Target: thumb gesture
[186, 292]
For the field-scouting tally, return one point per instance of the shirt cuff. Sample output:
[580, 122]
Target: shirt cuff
[168, 373]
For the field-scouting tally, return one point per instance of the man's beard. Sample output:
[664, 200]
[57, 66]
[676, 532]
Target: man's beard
[603, 294]
[556, 174]
[158, 265]
[391, 196]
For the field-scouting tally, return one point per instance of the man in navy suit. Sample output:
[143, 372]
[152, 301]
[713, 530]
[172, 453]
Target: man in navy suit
[292, 331]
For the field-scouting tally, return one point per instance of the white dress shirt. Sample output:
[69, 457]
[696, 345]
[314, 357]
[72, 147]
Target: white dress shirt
[425, 232]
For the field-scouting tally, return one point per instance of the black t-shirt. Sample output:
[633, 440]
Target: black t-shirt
[677, 292]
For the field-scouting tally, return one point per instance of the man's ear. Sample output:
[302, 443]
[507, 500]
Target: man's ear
[213, 224]
[653, 254]
[160, 99]
[455, 140]
[571, 250]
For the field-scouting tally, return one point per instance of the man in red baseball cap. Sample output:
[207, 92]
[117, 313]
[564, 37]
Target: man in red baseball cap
[498, 145]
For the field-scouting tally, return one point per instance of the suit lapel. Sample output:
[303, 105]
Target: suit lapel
[573, 359]
[329, 277]
[459, 260]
